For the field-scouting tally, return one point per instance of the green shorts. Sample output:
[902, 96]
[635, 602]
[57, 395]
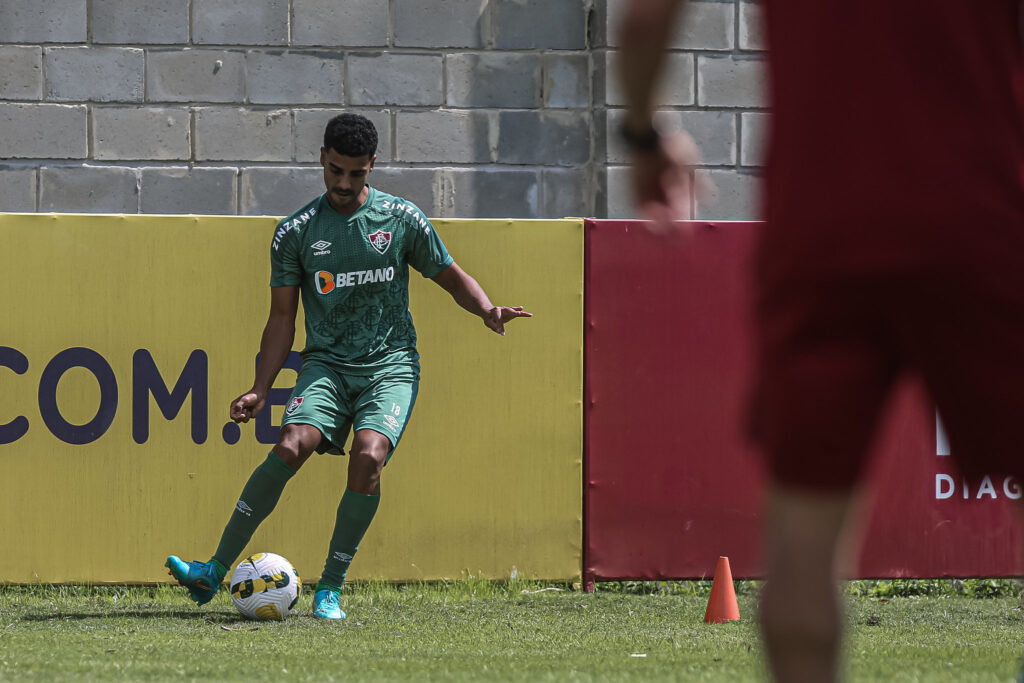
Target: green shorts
[335, 403]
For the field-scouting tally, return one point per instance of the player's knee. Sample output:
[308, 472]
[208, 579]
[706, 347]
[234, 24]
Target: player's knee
[368, 457]
[364, 473]
[294, 445]
[370, 449]
[366, 461]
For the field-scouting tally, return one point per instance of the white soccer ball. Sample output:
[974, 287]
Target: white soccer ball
[265, 587]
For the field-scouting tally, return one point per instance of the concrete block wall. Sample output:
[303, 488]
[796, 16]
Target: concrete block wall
[485, 108]
[715, 90]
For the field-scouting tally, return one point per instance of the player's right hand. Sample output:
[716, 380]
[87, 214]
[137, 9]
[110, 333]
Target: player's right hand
[665, 186]
[246, 406]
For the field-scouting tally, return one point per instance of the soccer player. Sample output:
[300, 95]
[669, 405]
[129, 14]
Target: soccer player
[347, 254]
[893, 241]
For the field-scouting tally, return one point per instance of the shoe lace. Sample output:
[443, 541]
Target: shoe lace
[328, 601]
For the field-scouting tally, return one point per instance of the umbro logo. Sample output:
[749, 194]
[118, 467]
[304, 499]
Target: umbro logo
[320, 248]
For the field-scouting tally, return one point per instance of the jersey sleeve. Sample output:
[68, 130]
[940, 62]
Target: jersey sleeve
[285, 269]
[427, 252]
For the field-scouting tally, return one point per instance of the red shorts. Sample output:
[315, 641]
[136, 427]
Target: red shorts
[831, 345]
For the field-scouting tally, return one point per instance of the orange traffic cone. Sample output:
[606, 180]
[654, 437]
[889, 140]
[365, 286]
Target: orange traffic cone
[722, 606]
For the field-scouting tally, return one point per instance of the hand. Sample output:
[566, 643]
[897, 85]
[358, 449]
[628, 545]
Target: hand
[663, 182]
[246, 406]
[499, 315]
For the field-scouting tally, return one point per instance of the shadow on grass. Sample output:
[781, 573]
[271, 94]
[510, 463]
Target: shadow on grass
[212, 617]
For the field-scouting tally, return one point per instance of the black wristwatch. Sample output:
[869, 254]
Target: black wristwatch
[643, 141]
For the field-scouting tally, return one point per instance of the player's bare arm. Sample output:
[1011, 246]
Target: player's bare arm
[662, 165]
[471, 296]
[275, 345]
[643, 35]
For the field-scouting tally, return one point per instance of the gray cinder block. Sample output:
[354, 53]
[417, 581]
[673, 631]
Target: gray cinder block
[550, 138]
[239, 134]
[539, 24]
[734, 195]
[348, 24]
[278, 191]
[447, 136]
[295, 78]
[567, 192]
[491, 192]
[751, 28]
[88, 189]
[448, 24]
[21, 77]
[731, 81]
[37, 21]
[230, 22]
[391, 78]
[566, 80]
[180, 189]
[157, 133]
[493, 79]
[18, 186]
[146, 22]
[94, 74]
[754, 127]
[43, 131]
[195, 76]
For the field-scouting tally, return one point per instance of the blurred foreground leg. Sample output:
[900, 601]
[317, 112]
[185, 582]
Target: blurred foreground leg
[801, 618]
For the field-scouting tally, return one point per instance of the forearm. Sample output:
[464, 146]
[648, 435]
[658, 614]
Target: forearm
[275, 345]
[643, 36]
[471, 296]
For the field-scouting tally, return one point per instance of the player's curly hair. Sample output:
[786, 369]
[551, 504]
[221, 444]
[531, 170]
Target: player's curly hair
[351, 135]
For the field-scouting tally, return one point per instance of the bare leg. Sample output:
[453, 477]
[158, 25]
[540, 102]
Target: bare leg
[801, 617]
[366, 460]
[296, 443]
[357, 508]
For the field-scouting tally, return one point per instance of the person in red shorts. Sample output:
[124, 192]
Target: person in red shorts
[893, 242]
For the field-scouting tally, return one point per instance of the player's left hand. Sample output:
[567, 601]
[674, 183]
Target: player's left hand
[499, 315]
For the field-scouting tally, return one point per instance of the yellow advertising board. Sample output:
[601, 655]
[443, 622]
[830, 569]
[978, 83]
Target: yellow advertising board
[124, 339]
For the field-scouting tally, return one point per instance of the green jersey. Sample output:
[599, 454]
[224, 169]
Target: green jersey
[353, 275]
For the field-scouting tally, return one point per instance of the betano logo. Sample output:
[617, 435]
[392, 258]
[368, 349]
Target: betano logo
[326, 283]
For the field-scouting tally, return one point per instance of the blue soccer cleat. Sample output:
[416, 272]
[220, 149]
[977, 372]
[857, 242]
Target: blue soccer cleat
[200, 578]
[326, 605]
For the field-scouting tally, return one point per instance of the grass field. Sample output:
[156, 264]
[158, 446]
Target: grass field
[481, 631]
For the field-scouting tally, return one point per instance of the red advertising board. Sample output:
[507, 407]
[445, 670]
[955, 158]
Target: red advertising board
[671, 483]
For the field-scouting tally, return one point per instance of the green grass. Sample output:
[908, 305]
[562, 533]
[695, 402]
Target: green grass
[476, 630]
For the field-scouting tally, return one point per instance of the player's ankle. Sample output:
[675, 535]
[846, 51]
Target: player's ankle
[321, 586]
[220, 567]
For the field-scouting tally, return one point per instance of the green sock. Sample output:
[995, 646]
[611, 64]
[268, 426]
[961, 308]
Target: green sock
[259, 497]
[355, 512]
[222, 571]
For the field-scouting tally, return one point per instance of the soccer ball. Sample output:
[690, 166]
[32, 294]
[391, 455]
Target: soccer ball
[265, 587]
